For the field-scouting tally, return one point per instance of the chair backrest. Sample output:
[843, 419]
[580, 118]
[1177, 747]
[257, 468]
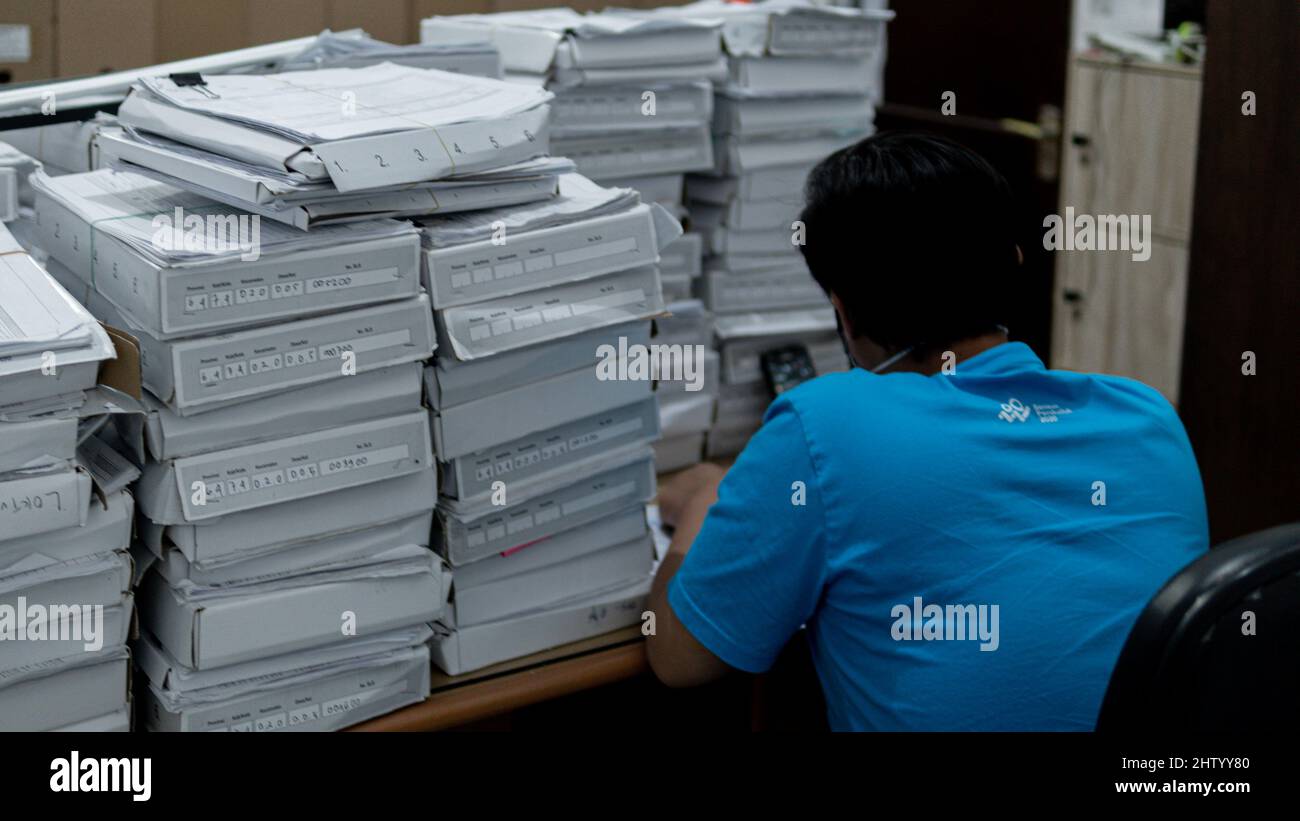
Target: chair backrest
[1218, 648]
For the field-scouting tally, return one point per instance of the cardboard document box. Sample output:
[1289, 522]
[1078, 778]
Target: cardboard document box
[473, 427]
[686, 323]
[777, 214]
[543, 40]
[115, 628]
[311, 208]
[738, 155]
[677, 288]
[100, 578]
[665, 189]
[686, 413]
[328, 553]
[465, 532]
[37, 444]
[343, 267]
[608, 155]
[503, 591]
[507, 323]
[107, 528]
[683, 256]
[374, 394]
[771, 289]
[50, 346]
[265, 530]
[65, 690]
[799, 75]
[588, 110]
[44, 502]
[194, 375]
[743, 336]
[518, 261]
[410, 124]
[671, 390]
[118, 721]
[554, 449]
[677, 452]
[773, 115]
[784, 182]
[282, 470]
[472, 648]
[316, 690]
[205, 628]
[742, 403]
[449, 382]
[729, 441]
[618, 527]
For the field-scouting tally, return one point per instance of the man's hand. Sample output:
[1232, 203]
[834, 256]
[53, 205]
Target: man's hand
[676, 657]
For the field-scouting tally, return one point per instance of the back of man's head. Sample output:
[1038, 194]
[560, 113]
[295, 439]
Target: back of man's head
[915, 235]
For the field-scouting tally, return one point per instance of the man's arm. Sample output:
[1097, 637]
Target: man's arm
[747, 563]
[676, 657]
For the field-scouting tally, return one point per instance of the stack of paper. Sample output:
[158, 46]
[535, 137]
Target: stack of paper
[315, 147]
[802, 81]
[633, 99]
[686, 408]
[286, 467]
[65, 578]
[354, 49]
[542, 439]
[742, 339]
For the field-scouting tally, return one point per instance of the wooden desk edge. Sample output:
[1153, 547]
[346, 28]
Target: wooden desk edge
[491, 697]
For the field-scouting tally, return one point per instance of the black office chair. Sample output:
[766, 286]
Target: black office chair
[1188, 667]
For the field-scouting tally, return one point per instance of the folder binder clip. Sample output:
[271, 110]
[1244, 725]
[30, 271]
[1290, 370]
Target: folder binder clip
[194, 79]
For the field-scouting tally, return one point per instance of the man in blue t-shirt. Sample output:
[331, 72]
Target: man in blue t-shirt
[967, 536]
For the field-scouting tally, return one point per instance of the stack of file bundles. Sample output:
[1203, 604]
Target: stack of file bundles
[633, 98]
[354, 49]
[310, 148]
[802, 81]
[686, 408]
[545, 457]
[743, 395]
[65, 575]
[287, 470]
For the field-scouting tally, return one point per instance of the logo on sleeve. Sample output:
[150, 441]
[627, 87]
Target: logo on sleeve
[1013, 410]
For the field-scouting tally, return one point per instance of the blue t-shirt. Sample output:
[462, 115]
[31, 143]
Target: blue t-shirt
[968, 551]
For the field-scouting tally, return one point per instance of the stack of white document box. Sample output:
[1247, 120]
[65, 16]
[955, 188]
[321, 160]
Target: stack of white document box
[65, 575]
[633, 99]
[543, 440]
[287, 469]
[686, 406]
[354, 49]
[311, 148]
[802, 81]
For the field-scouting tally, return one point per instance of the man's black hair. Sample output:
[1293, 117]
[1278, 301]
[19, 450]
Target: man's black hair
[916, 236]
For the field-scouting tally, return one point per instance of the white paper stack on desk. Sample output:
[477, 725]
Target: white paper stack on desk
[633, 99]
[340, 144]
[355, 49]
[65, 578]
[802, 81]
[742, 338]
[546, 465]
[685, 412]
[287, 468]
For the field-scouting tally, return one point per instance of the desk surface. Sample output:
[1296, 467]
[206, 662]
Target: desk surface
[492, 691]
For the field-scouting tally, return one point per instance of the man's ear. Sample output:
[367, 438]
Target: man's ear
[1020, 255]
[844, 317]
